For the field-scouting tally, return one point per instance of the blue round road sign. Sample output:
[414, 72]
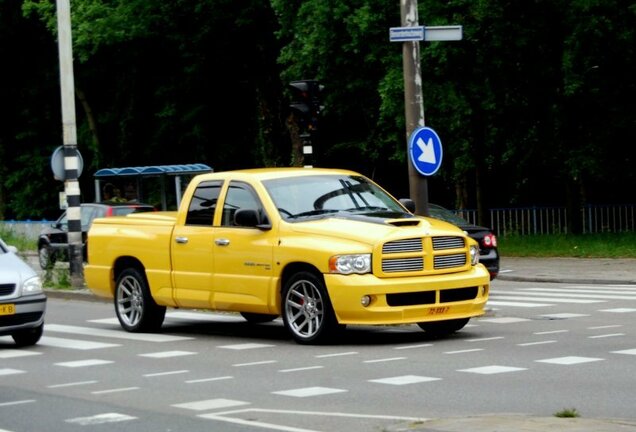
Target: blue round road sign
[425, 151]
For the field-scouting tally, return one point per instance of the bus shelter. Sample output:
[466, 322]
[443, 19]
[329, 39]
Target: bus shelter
[133, 183]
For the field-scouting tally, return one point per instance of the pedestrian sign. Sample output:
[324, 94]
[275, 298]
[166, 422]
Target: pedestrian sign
[425, 151]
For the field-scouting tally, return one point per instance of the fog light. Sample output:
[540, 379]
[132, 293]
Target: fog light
[365, 300]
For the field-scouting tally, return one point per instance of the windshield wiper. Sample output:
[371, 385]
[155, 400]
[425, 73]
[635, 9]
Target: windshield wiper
[310, 213]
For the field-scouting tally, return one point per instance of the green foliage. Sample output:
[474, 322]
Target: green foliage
[567, 413]
[608, 245]
[529, 105]
[21, 242]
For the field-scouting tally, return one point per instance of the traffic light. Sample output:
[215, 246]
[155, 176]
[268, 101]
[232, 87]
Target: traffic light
[305, 104]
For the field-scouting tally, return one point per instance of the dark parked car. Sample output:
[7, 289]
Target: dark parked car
[22, 301]
[53, 240]
[488, 252]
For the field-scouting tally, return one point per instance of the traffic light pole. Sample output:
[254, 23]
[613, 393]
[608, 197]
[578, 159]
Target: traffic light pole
[413, 103]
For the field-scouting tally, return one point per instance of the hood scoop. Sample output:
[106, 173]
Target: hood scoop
[403, 222]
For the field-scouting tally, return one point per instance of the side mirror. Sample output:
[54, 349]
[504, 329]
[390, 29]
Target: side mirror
[408, 203]
[249, 218]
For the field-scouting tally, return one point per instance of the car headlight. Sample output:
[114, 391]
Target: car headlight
[348, 264]
[474, 255]
[32, 286]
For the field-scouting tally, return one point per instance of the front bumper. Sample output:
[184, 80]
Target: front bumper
[29, 313]
[408, 300]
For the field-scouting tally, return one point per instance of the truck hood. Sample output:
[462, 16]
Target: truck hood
[370, 229]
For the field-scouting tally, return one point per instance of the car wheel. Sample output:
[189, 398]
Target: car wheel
[46, 258]
[307, 311]
[134, 306]
[28, 337]
[257, 318]
[443, 328]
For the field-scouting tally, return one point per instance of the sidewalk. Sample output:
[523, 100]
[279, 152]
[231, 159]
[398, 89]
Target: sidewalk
[569, 270]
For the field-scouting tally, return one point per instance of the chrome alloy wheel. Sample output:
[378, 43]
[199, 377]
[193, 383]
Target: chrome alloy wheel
[130, 301]
[304, 309]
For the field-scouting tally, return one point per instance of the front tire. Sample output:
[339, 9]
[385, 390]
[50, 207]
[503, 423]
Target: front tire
[28, 337]
[46, 258]
[135, 308]
[307, 311]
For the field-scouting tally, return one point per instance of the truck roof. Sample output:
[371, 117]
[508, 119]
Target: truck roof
[271, 173]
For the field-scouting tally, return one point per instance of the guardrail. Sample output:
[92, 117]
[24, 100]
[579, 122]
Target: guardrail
[554, 220]
[504, 221]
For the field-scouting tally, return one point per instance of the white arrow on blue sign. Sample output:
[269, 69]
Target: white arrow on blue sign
[425, 151]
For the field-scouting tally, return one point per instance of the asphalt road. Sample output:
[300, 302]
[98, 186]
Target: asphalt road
[542, 348]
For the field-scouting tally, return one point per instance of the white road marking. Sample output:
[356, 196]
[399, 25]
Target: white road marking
[246, 346]
[309, 391]
[101, 419]
[74, 343]
[490, 370]
[404, 380]
[11, 353]
[569, 360]
[9, 371]
[116, 334]
[210, 404]
[168, 354]
[202, 380]
[628, 351]
[84, 363]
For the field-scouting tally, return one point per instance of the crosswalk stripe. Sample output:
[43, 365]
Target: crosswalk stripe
[546, 299]
[600, 295]
[117, 334]
[517, 304]
[583, 293]
[74, 343]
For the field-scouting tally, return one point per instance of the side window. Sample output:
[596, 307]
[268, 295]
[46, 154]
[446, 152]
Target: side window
[87, 216]
[203, 204]
[240, 196]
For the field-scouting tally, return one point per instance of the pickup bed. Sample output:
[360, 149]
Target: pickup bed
[322, 248]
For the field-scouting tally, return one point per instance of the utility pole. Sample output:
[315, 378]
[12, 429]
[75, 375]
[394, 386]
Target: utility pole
[410, 34]
[69, 132]
[413, 102]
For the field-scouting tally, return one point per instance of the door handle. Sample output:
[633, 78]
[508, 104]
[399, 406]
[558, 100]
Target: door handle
[222, 242]
[181, 240]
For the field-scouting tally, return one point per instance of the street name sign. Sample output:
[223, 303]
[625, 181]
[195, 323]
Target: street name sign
[406, 34]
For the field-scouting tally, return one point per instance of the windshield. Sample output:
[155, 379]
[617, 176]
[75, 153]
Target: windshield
[319, 195]
[446, 215]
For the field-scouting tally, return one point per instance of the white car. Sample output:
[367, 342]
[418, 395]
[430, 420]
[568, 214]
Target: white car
[22, 300]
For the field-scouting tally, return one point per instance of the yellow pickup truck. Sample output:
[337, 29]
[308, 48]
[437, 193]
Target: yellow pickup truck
[323, 248]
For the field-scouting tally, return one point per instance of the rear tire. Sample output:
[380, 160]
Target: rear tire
[307, 311]
[443, 328]
[135, 308]
[28, 337]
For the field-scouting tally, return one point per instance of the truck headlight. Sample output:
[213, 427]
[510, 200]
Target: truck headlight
[32, 286]
[348, 264]
[474, 255]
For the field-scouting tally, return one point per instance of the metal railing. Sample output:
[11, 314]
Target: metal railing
[554, 220]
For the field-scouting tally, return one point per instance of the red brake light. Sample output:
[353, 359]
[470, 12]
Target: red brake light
[490, 240]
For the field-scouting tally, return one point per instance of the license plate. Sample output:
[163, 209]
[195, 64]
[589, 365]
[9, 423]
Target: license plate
[438, 310]
[7, 309]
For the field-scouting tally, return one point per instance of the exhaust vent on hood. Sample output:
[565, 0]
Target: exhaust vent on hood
[403, 222]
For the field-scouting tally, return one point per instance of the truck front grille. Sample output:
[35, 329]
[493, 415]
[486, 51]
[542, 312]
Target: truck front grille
[424, 254]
